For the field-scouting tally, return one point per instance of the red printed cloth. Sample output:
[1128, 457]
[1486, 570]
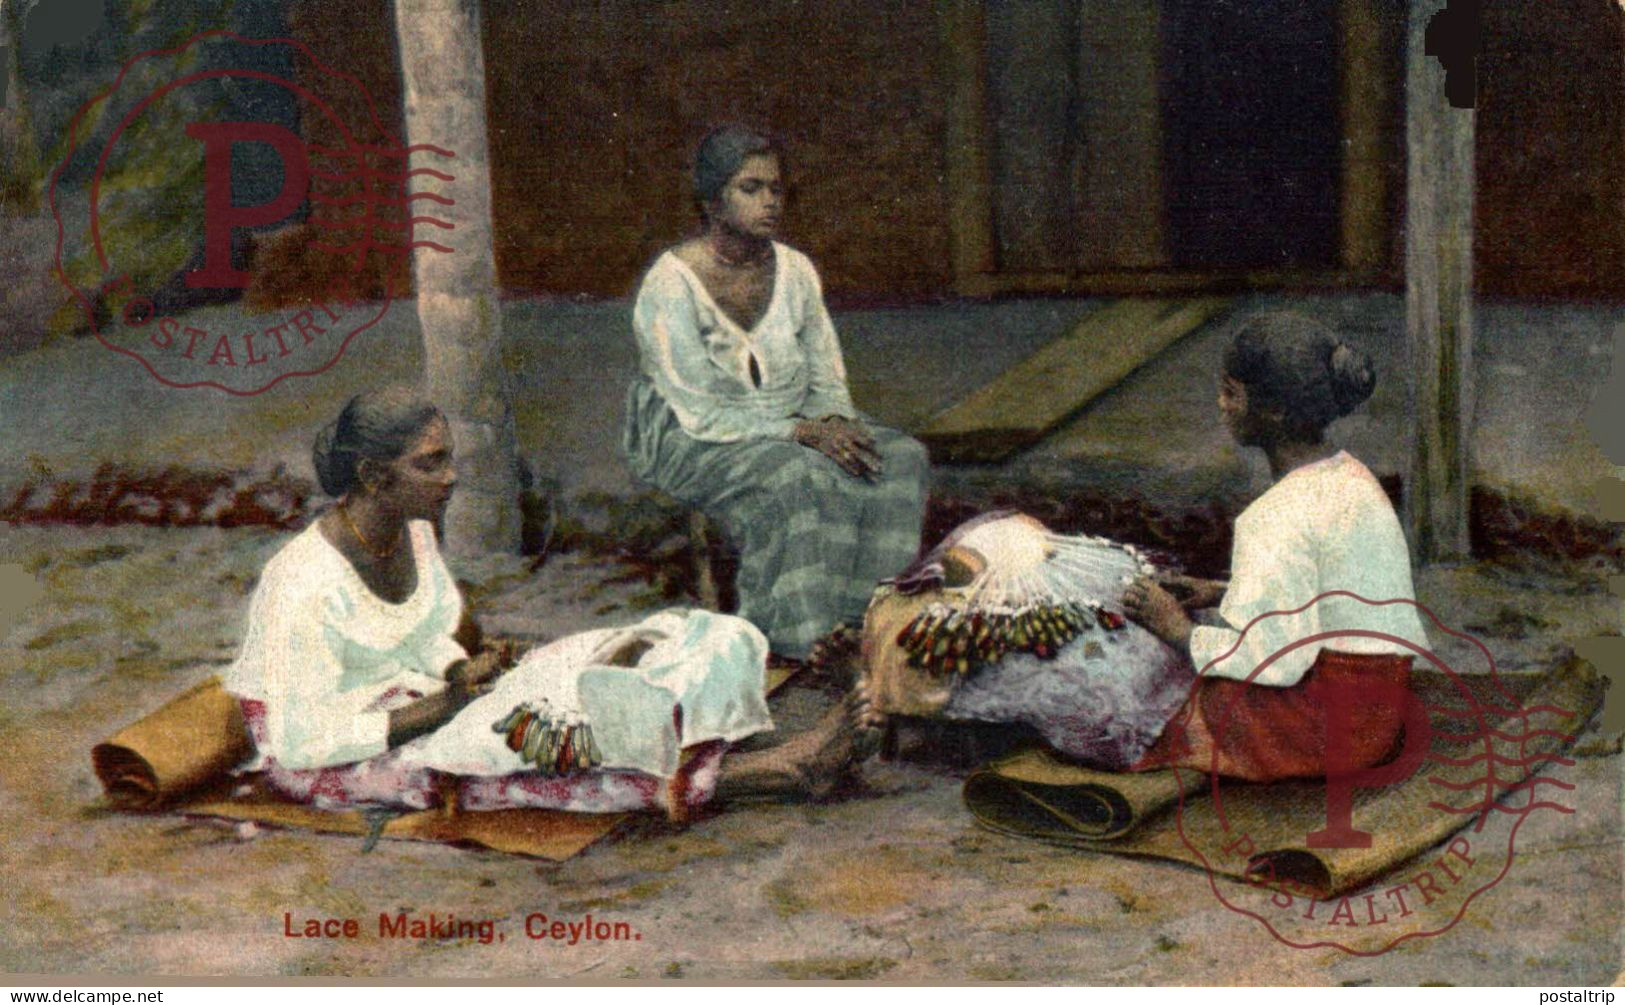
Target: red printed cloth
[1266, 734]
[384, 781]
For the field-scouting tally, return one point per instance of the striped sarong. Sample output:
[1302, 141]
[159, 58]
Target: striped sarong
[813, 540]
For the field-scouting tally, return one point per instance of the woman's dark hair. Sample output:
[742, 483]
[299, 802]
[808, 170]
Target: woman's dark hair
[1294, 365]
[720, 156]
[376, 425]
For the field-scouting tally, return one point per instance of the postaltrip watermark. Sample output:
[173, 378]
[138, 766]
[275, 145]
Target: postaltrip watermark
[233, 212]
[1392, 848]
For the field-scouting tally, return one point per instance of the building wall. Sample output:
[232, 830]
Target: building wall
[594, 124]
[356, 38]
[1551, 148]
[595, 110]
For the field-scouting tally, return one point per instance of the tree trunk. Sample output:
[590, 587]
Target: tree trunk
[1438, 297]
[443, 81]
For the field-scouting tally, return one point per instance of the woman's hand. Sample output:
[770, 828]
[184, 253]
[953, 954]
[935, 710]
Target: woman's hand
[843, 441]
[485, 666]
[1192, 593]
[1158, 611]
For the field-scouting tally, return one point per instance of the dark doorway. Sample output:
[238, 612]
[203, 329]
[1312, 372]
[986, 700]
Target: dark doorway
[1251, 154]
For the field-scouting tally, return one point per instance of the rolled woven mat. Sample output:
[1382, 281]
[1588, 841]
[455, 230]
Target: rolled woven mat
[168, 760]
[190, 741]
[1036, 794]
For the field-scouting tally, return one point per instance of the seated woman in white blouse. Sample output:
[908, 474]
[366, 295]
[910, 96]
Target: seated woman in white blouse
[1257, 709]
[356, 640]
[359, 612]
[742, 410]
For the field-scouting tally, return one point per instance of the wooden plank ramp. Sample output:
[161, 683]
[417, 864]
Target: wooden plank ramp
[1028, 401]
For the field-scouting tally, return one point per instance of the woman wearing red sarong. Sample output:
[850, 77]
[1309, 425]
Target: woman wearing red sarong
[1258, 705]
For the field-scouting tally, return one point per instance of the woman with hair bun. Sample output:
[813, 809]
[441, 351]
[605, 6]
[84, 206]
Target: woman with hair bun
[1326, 526]
[352, 646]
[742, 410]
[361, 679]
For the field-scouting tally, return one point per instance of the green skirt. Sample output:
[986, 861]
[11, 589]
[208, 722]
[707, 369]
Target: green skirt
[813, 540]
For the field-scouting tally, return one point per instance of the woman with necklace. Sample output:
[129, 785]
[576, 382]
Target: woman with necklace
[358, 648]
[742, 410]
[356, 634]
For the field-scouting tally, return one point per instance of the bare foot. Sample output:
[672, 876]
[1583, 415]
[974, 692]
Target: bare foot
[809, 764]
[869, 718]
[827, 753]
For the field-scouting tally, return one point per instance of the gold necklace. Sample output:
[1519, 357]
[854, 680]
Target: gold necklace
[344, 514]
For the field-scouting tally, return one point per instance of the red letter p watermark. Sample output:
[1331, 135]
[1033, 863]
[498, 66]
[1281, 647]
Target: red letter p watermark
[1343, 703]
[220, 217]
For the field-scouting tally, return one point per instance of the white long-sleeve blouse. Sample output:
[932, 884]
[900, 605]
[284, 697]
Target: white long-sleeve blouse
[1327, 526]
[322, 650]
[699, 359]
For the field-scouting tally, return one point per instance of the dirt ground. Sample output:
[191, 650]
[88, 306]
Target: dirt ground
[894, 882]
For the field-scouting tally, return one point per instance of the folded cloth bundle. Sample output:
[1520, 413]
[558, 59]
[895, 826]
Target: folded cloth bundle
[647, 691]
